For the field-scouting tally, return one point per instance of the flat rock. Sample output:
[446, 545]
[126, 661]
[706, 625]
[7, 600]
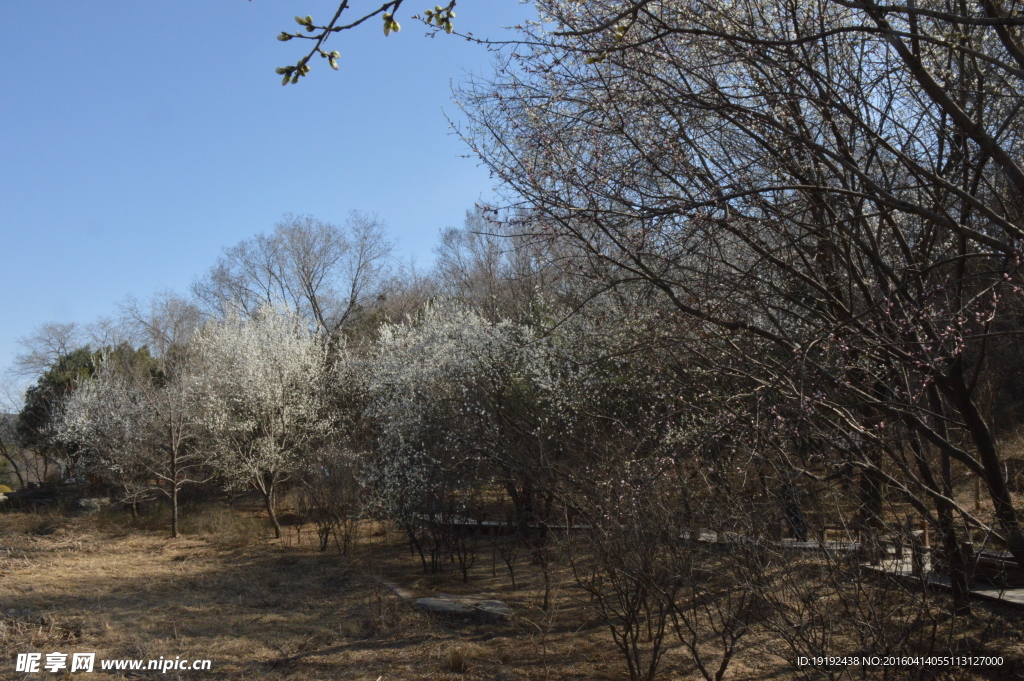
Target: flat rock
[483, 610]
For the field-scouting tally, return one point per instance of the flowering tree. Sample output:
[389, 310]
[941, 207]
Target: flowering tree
[265, 382]
[437, 389]
[137, 418]
[103, 416]
[38, 421]
[461, 402]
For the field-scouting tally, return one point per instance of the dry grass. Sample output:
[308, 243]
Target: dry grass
[261, 608]
[280, 610]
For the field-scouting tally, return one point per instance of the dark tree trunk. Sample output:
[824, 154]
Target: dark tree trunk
[945, 511]
[951, 546]
[871, 506]
[270, 498]
[984, 442]
[14, 466]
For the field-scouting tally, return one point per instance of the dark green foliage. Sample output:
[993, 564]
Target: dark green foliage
[37, 420]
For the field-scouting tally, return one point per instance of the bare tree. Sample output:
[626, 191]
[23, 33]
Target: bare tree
[167, 320]
[827, 193]
[323, 272]
[331, 496]
[499, 270]
[46, 345]
[10, 450]
[50, 342]
[402, 295]
[17, 456]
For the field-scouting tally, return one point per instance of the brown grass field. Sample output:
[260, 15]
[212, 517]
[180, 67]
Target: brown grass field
[261, 608]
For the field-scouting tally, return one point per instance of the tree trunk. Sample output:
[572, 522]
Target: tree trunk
[174, 493]
[954, 554]
[950, 544]
[270, 498]
[871, 505]
[984, 442]
[14, 466]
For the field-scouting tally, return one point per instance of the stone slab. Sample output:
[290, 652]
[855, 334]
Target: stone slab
[483, 610]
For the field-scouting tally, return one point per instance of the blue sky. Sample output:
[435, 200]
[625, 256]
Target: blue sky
[137, 139]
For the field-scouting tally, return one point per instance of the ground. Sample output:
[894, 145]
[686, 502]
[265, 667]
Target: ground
[260, 608]
[263, 608]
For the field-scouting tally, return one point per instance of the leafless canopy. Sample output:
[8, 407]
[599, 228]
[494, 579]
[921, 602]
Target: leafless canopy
[324, 272]
[830, 193]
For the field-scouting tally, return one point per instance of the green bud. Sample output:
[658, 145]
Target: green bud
[448, 27]
[285, 80]
[451, 15]
[284, 37]
[300, 21]
[280, 69]
[334, 64]
[295, 79]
